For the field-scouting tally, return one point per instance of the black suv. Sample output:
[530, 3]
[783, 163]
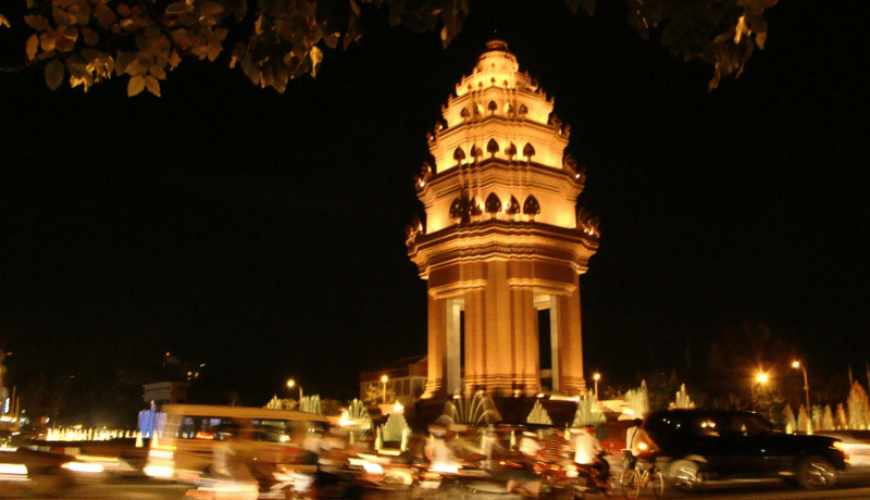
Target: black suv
[699, 445]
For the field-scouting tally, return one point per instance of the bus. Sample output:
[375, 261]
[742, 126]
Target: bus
[185, 448]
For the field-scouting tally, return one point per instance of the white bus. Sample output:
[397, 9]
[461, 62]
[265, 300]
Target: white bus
[185, 449]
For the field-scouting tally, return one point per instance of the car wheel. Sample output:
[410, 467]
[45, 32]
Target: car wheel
[685, 475]
[815, 473]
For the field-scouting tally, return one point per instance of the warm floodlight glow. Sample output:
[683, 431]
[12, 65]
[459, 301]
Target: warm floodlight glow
[596, 377]
[291, 383]
[384, 378]
[795, 364]
[761, 378]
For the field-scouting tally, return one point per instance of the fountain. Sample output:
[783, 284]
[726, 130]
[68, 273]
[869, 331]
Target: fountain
[588, 412]
[682, 402]
[828, 419]
[311, 404]
[789, 420]
[394, 428]
[638, 400]
[858, 407]
[539, 415]
[804, 424]
[478, 411]
[357, 419]
[840, 421]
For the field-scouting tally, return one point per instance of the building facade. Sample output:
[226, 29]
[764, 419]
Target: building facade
[502, 240]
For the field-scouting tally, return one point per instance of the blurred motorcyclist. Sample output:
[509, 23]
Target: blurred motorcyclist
[588, 451]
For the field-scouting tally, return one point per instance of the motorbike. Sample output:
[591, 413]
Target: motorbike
[571, 480]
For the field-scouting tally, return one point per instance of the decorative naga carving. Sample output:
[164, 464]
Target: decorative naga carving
[414, 229]
[578, 173]
[587, 222]
[421, 179]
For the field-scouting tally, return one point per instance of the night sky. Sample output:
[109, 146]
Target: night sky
[263, 234]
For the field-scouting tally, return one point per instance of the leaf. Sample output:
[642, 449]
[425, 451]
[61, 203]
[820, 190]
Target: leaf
[61, 17]
[152, 85]
[47, 41]
[135, 86]
[105, 16]
[90, 36]
[331, 40]
[158, 72]
[760, 38]
[138, 66]
[238, 52]
[38, 23]
[54, 73]
[210, 8]
[241, 10]
[121, 62]
[77, 66]
[176, 9]
[32, 46]
[213, 50]
[316, 56]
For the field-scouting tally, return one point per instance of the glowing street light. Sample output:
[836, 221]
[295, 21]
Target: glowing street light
[596, 377]
[761, 378]
[797, 364]
[291, 383]
[384, 379]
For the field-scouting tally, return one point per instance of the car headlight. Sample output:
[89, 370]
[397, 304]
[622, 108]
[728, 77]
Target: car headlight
[83, 467]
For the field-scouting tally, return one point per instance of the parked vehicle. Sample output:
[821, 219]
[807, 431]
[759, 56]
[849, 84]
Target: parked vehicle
[700, 445]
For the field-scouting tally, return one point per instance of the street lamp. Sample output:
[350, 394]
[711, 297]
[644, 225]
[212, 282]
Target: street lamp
[291, 383]
[596, 377]
[760, 379]
[384, 379]
[797, 364]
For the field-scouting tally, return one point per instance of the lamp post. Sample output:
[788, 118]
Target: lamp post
[760, 379]
[384, 379]
[798, 364]
[290, 384]
[596, 377]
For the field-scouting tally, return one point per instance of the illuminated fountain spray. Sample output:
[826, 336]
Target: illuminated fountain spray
[638, 400]
[539, 415]
[682, 401]
[357, 419]
[477, 411]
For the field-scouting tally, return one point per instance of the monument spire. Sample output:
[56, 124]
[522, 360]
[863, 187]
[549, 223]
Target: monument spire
[502, 238]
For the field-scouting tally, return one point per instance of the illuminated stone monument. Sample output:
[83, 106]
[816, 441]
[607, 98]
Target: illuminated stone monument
[503, 238]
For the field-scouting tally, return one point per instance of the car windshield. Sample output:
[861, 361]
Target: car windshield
[750, 425]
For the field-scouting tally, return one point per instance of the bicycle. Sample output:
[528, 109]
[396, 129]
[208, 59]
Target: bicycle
[640, 475]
